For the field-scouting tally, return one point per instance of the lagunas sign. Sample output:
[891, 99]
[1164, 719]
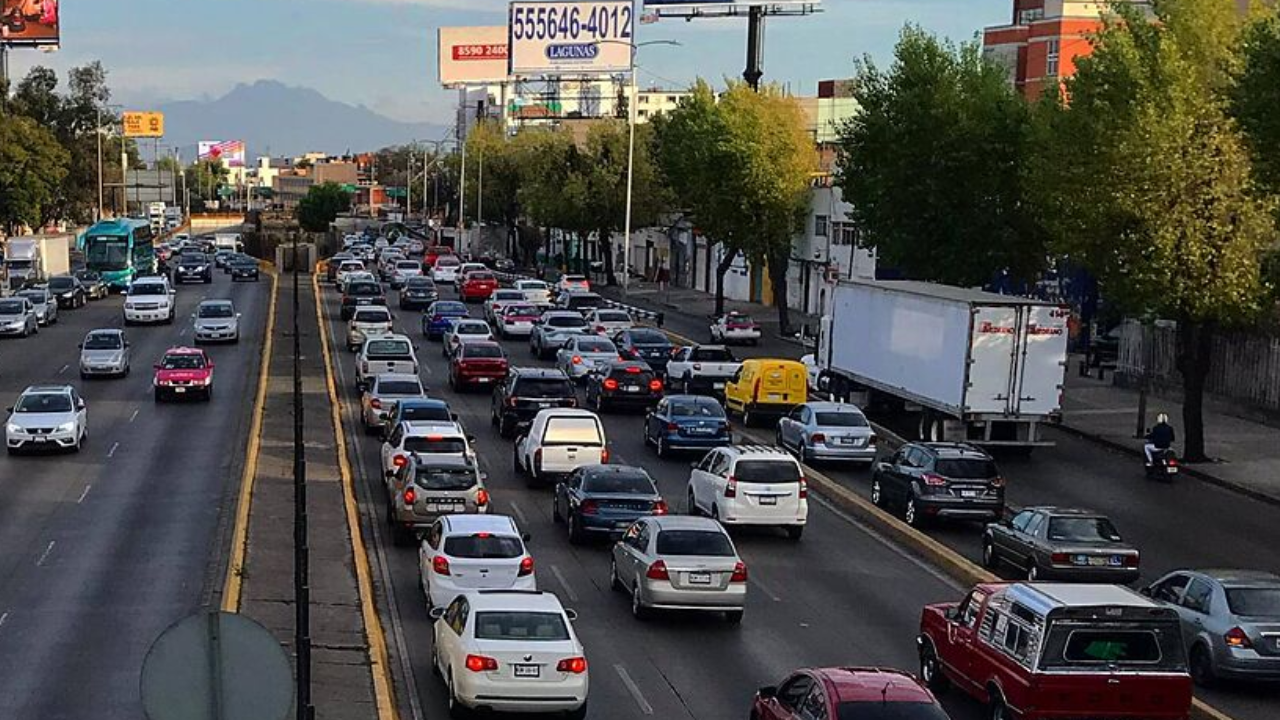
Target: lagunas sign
[571, 37]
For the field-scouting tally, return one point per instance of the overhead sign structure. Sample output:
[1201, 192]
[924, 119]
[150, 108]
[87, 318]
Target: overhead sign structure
[659, 4]
[143, 124]
[471, 55]
[570, 37]
[230, 152]
[30, 22]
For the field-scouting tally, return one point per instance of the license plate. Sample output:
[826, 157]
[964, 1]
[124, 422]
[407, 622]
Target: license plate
[768, 500]
[632, 388]
[717, 386]
[444, 507]
[527, 671]
[968, 493]
[179, 389]
[699, 578]
[483, 379]
[848, 441]
[700, 430]
[1171, 470]
[1097, 561]
[775, 396]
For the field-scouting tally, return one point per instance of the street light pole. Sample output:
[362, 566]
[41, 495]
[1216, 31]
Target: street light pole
[98, 132]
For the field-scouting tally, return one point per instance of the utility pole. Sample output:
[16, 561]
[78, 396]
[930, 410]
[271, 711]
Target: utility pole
[98, 131]
[408, 182]
[755, 47]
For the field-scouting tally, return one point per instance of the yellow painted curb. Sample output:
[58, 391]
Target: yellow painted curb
[233, 584]
[379, 664]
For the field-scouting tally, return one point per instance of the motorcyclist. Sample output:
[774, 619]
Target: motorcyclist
[1160, 437]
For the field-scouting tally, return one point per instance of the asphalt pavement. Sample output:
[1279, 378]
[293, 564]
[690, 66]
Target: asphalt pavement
[100, 551]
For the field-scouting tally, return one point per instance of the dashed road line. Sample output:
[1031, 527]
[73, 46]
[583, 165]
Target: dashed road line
[64, 368]
[515, 508]
[111, 453]
[564, 582]
[755, 580]
[134, 416]
[84, 494]
[4, 617]
[634, 689]
[45, 555]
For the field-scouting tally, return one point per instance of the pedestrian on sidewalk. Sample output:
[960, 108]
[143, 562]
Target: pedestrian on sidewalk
[663, 276]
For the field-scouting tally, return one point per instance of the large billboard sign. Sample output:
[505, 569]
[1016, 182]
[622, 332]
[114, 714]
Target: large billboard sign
[230, 152]
[143, 124]
[694, 4]
[472, 55]
[30, 22]
[570, 37]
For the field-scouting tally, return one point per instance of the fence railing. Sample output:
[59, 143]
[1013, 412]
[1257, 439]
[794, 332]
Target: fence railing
[1243, 367]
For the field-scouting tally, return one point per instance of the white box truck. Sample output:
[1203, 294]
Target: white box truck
[974, 366]
[37, 257]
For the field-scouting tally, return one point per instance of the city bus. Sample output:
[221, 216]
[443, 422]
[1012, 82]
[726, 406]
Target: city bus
[120, 250]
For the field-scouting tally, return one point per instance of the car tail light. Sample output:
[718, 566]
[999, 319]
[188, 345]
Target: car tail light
[672, 427]
[410, 496]
[400, 461]
[440, 565]
[731, 487]
[1173, 462]
[512, 402]
[933, 480]
[997, 481]
[376, 404]
[655, 385]
[482, 497]
[437, 317]
[575, 665]
[589, 507]
[610, 384]
[481, 663]
[604, 456]
[600, 328]
[1237, 637]
[633, 370]
[1131, 561]
[804, 488]
[818, 438]
[657, 571]
[537, 458]
[1059, 558]
[577, 360]
[739, 573]
[526, 566]
[660, 508]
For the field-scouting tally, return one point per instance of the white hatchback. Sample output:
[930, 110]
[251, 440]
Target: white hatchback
[461, 553]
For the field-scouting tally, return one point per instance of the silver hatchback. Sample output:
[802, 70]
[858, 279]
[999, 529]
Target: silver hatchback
[378, 402]
[104, 353]
[431, 486]
[827, 431]
[216, 321]
[679, 562]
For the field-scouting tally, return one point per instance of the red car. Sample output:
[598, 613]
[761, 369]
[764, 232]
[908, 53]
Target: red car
[433, 253]
[477, 286]
[477, 363]
[183, 372]
[847, 693]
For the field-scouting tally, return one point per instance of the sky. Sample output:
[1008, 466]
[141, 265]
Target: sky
[381, 53]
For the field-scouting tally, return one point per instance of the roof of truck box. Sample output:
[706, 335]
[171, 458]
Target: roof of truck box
[948, 292]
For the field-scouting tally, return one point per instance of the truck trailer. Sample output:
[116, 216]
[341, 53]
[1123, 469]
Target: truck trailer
[971, 366]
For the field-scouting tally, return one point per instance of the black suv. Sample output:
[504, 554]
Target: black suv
[647, 344]
[524, 393]
[193, 267]
[622, 383]
[939, 480]
[359, 294]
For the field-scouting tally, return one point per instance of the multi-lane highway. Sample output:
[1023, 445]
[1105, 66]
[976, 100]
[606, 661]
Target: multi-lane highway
[101, 550]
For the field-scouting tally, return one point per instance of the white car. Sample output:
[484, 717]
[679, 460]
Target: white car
[517, 320]
[403, 270]
[750, 485]
[368, 322]
[468, 267]
[463, 330]
[510, 651]
[45, 305]
[580, 353]
[423, 437]
[535, 291]
[559, 441]
[356, 277]
[346, 269]
[460, 553]
[606, 321]
[382, 355]
[47, 417]
[572, 284]
[446, 269]
[735, 327]
[382, 394]
[499, 299]
[149, 299]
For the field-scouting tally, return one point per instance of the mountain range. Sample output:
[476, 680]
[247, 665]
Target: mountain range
[286, 121]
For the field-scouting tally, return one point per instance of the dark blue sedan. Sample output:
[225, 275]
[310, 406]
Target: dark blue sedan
[436, 319]
[603, 500]
[686, 422]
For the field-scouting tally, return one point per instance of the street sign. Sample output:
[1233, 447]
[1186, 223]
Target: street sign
[143, 124]
[570, 37]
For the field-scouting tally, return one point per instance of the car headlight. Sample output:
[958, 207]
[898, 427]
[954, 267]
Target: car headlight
[200, 268]
[66, 427]
[13, 428]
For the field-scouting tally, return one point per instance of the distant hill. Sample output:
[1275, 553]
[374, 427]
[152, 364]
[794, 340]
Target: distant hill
[288, 120]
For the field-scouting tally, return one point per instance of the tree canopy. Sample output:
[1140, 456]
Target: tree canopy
[321, 206]
[32, 167]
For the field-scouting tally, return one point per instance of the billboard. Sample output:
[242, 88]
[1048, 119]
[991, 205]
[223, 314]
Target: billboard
[30, 22]
[570, 37]
[143, 124]
[230, 152]
[659, 4]
[471, 55]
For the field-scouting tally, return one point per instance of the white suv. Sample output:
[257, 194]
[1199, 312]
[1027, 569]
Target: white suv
[751, 485]
[412, 437]
[149, 299]
[461, 553]
[47, 417]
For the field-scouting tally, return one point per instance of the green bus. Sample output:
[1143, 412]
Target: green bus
[120, 250]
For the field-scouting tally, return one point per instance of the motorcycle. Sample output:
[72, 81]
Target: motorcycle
[1163, 466]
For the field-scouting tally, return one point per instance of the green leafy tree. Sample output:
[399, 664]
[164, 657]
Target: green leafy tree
[1257, 98]
[32, 166]
[204, 179]
[1146, 179]
[322, 205]
[497, 195]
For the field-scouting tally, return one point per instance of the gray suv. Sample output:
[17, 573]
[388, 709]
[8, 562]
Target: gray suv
[431, 486]
[939, 480]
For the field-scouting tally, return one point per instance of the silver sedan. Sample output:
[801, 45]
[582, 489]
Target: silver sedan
[679, 562]
[379, 400]
[216, 320]
[104, 352]
[580, 353]
[827, 431]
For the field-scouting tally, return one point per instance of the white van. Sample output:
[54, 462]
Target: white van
[559, 441]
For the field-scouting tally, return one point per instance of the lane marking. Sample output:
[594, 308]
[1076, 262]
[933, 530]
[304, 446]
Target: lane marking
[755, 580]
[3, 618]
[645, 707]
[134, 416]
[64, 369]
[111, 453]
[515, 508]
[84, 494]
[568, 589]
[45, 555]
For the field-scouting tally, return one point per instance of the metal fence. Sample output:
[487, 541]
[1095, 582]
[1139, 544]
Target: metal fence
[1243, 368]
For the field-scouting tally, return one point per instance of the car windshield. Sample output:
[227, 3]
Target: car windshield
[522, 311]
[842, 419]
[424, 413]
[44, 403]
[966, 468]
[351, 266]
[572, 431]
[427, 444]
[372, 316]
[574, 279]
[408, 265]
[60, 284]
[420, 283]
[387, 349]
[364, 289]
[472, 328]
[566, 321]
[11, 307]
[708, 543]
[107, 252]
[482, 350]
[736, 319]
[438, 478]
[447, 261]
[873, 710]
[599, 345]
[399, 387]
[715, 355]
[481, 276]
[36, 297]
[451, 308]
[696, 409]
[185, 361]
[619, 482]
[484, 546]
[103, 341]
[649, 337]
[1254, 601]
[521, 626]
[150, 288]
[217, 311]
[533, 285]
[544, 388]
[584, 300]
[508, 295]
[1082, 529]
[192, 259]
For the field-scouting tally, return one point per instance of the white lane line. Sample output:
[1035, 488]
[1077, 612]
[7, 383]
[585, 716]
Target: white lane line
[114, 446]
[84, 494]
[134, 416]
[45, 555]
[568, 589]
[755, 580]
[182, 332]
[3, 618]
[634, 689]
[515, 508]
[897, 549]
[64, 369]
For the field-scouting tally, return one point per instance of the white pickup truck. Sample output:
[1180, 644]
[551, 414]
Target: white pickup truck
[385, 354]
[559, 441]
[701, 368]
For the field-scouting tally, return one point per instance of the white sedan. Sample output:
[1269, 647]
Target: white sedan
[510, 651]
[463, 330]
[735, 327]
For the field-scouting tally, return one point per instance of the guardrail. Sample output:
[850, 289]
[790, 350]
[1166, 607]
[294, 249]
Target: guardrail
[655, 316]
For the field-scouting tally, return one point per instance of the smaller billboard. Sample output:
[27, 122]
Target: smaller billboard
[143, 124]
[30, 22]
[570, 37]
[471, 55]
[694, 4]
[230, 152]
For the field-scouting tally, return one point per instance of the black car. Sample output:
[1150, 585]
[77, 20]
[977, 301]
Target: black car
[418, 292]
[243, 267]
[583, 302]
[359, 294]
[525, 392]
[223, 259]
[939, 480]
[94, 287]
[68, 291]
[623, 383]
[1052, 543]
[193, 267]
[647, 344]
[604, 500]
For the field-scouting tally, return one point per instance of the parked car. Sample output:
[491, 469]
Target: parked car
[104, 352]
[677, 562]
[735, 327]
[418, 291]
[47, 417]
[42, 303]
[604, 500]
[617, 383]
[552, 330]
[94, 287]
[183, 372]
[368, 322]
[828, 431]
[517, 320]
[460, 553]
[559, 441]
[526, 392]
[381, 394]
[68, 291]
[766, 388]
[536, 292]
[361, 294]
[18, 317]
[750, 485]
[216, 321]
[701, 369]
[646, 344]
[429, 486]
[609, 322]
[843, 693]
[439, 315]
[939, 480]
[477, 286]
[383, 355]
[686, 422]
[580, 354]
[1064, 544]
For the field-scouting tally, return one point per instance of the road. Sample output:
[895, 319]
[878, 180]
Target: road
[101, 550]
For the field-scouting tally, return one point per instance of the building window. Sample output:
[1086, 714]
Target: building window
[644, 99]
[671, 99]
[1051, 58]
[642, 113]
[820, 225]
[844, 233]
[1026, 17]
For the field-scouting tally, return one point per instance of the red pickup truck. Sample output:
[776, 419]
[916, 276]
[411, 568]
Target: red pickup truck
[1050, 651]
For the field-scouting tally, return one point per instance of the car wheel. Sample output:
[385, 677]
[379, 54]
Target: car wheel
[989, 559]
[931, 670]
[996, 709]
[746, 416]
[877, 495]
[159, 396]
[1033, 572]
[515, 459]
[1201, 663]
[638, 610]
[910, 514]
[691, 505]
[663, 449]
[533, 350]
[457, 710]
[576, 536]
[556, 517]
[795, 532]
[435, 660]
[686, 384]
[505, 428]
[615, 582]
[733, 617]
[84, 375]
[579, 713]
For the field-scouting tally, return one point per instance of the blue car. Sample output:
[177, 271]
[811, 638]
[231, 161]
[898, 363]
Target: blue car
[436, 319]
[604, 500]
[686, 422]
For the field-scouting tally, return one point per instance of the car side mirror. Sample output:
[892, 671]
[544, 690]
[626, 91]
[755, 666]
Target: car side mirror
[80, 404]
[156, 366]
[471, 439]
[436, 613]
[453, 416]
[767, 692]
[239, 315]
[210, 366]
[80, 346]
[526, 537]
[952, 613]
[571, 614]
[1147, 591]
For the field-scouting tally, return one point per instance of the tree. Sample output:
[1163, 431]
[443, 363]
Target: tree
[1257, 96]
[1146, 179]
[32, 165]
[321, 206]
[489, 150]
[204, 178]
[932, 165]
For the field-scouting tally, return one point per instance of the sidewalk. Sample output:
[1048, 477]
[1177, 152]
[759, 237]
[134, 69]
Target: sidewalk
[701, 306]
[341, 681]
